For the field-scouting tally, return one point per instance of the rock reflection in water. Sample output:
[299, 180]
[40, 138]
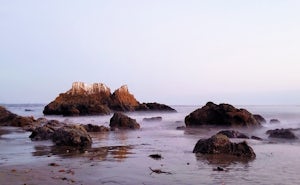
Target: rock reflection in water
[111, 153]
[222, 160]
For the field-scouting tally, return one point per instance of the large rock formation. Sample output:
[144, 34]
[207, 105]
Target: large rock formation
[96, 99]
[220, 144]
[121, 121]
[221, 115]
[10, 119]
[81, 99]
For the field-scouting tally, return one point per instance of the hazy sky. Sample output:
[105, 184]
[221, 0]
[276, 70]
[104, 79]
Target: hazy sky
[169, 51]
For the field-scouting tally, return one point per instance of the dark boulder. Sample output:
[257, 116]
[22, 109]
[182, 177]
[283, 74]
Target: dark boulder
[282, 133]
[8, 118]
[121, 121]
[72, 135]
[42, 133]
[221, 115]
[44, 129]
[158, 118]
[259, 118]
[95, 128]
[233, 134]
[220, 144]
[274, 121]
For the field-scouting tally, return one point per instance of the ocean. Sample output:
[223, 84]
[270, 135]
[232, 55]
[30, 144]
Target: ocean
[122, 157]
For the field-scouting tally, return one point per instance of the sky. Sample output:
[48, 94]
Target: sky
[177, 52]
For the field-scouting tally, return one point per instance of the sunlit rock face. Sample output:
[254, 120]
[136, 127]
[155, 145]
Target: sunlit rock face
[96, 99]
[83, 88]
[123, 100]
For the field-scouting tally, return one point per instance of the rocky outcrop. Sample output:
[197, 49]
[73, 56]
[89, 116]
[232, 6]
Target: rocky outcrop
[220, 144]
[121, 121]
[95, 128]
[282, 133]
[233, 134]
[221, 115]
[72, 135]
[96, 99]
[7, 118]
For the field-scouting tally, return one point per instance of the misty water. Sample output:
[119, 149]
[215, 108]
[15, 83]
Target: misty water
[122, 157]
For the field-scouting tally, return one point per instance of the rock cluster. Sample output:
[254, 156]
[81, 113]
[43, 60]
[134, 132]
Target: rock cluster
[220, 144]
[221, 115]
[96, 99]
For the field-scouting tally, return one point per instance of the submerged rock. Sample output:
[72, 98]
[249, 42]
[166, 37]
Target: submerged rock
[282, 133]
[274, 121]
[158, 118]
[233, 134]
[8, 118]
[221, 115]
[96, 99]
[95, 128]
[121, 121]
[220, 144]
[180, 128]
[156, 156]
[256, 138]
[72, 135]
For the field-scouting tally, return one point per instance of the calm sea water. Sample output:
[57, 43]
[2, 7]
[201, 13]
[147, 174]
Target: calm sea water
[121, 157]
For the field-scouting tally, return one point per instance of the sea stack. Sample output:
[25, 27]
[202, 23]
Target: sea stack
[97, 99]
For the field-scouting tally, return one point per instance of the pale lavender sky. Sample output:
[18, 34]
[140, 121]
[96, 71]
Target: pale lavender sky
[169, 51]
